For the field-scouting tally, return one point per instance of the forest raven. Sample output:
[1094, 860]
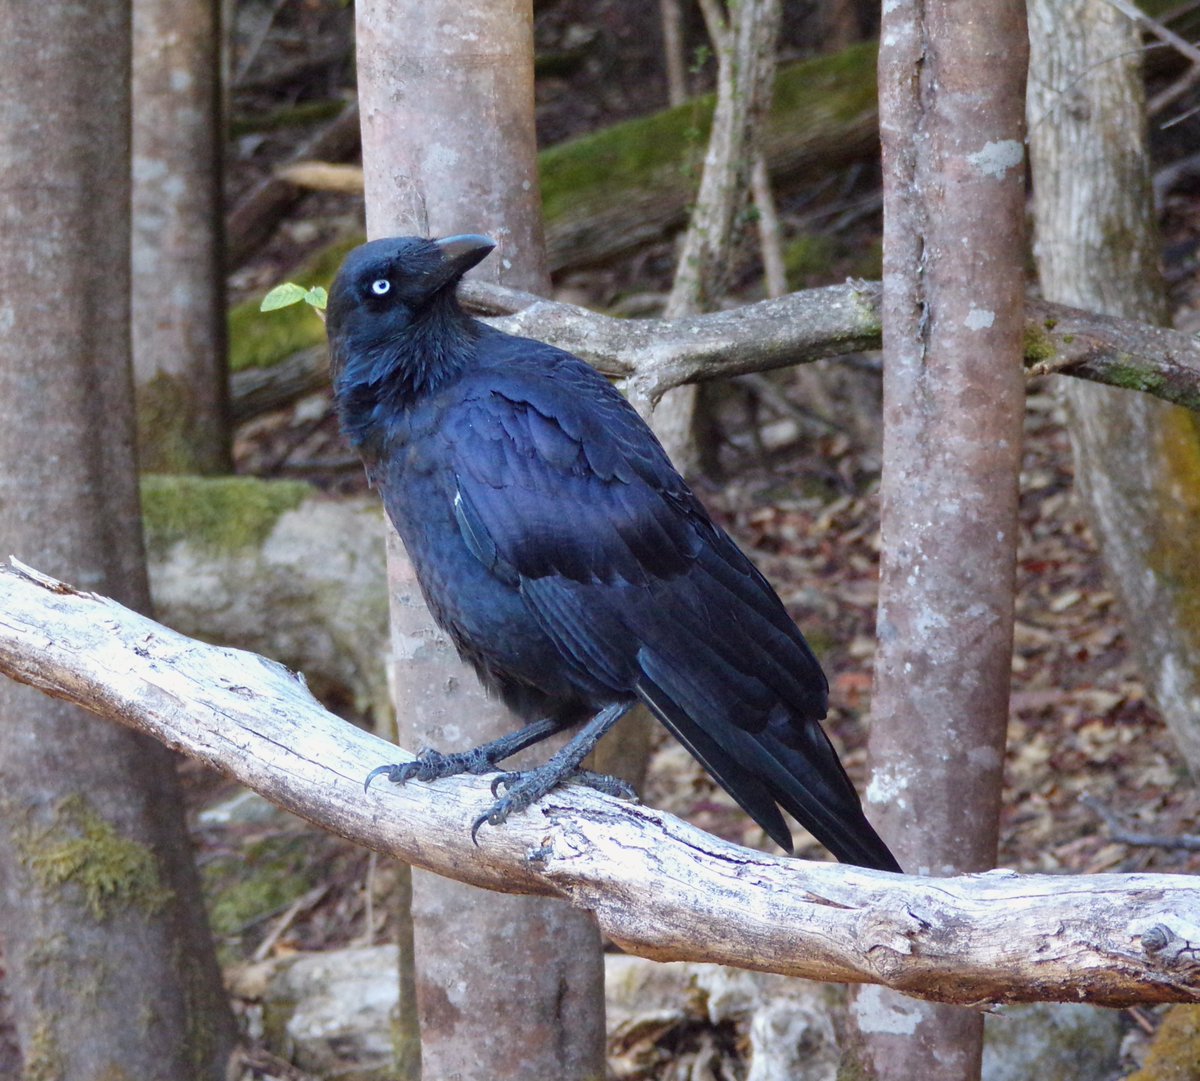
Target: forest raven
[567, 559]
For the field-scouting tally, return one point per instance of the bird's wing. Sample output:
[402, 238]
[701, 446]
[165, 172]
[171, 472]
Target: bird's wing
[561, 477]
[563, 491]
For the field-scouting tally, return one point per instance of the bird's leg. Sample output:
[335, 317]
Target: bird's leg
[431, 765]
[525, 788]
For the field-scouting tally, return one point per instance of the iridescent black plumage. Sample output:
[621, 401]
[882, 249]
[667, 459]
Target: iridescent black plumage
[565, 556]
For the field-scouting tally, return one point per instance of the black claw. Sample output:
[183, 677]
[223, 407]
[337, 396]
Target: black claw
[389, 770]
[505, 779]
[496, 815]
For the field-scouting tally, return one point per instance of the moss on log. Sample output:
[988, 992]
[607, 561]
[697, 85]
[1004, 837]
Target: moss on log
[610, 191]
[262, 339]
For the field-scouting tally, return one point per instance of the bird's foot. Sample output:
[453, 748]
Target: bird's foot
[600, 782]
[431, 765]
[523, 789]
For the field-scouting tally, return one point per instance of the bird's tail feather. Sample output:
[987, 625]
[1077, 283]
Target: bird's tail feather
[762, 773]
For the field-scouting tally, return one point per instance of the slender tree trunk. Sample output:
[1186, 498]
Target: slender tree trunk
[674, 51]
[1137, 460]
[178, 307]
[107, 956]
[506, 986]
[952, 124]
[744, 42]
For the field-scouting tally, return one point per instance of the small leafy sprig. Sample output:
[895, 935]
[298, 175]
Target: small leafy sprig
[291, 293]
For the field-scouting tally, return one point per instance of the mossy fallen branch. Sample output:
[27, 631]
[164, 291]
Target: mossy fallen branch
[610, 191]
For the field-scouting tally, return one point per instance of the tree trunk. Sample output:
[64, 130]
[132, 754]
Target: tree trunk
[506, 986]
[178, 305]
[1137, 460]
[952, 125]
[744, 43]
[110, 968]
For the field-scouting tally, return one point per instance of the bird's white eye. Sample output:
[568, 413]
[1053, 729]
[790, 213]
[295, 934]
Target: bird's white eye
[380, 286]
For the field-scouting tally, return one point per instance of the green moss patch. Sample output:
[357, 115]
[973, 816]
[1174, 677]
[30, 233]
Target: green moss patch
[1121, 373]
[84, 850]
[218, 513]
[291, 116]
[1038, 345]
[627, 156]
[43, 1054]
[1174, 1054]
[261, 879]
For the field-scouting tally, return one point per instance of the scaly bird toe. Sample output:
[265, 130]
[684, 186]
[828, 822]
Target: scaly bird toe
[431, 765]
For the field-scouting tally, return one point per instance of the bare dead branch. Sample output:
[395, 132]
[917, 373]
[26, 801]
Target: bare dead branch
[1164, 33]
[832, 321]
[658, 886]
[795, 329]
[1121, 833]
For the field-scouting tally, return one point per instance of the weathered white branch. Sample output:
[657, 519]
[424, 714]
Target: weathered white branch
[658, 886]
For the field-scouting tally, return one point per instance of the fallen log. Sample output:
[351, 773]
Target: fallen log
[254, 218]
[609, 192]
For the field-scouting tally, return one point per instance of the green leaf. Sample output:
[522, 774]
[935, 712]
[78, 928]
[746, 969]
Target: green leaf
[317, 297]
[283, 295]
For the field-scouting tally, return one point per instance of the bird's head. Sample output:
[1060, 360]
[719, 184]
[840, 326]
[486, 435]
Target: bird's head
[395, 329]
[384, 285]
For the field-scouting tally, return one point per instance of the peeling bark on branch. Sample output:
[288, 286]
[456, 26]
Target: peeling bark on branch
[657, 886]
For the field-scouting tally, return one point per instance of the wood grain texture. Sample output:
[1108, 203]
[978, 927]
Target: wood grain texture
[659, 887]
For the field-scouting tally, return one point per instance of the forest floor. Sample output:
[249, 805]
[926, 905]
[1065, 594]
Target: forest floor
[1083, 738]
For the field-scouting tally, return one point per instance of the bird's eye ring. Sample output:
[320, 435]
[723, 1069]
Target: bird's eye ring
[380, 286]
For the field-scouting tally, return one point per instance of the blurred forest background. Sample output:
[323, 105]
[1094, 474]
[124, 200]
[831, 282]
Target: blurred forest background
[281, 549]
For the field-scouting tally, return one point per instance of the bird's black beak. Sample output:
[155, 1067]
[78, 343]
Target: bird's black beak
[463, 252]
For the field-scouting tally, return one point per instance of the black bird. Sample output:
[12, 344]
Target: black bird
[567, 559]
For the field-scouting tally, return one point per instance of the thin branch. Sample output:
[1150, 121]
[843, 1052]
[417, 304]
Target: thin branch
[657, 886]
[716, 24]
[1119, 832]
[770, 233]
[1164, 33]
[671, 17]
[795, 329]
[1173, 40]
